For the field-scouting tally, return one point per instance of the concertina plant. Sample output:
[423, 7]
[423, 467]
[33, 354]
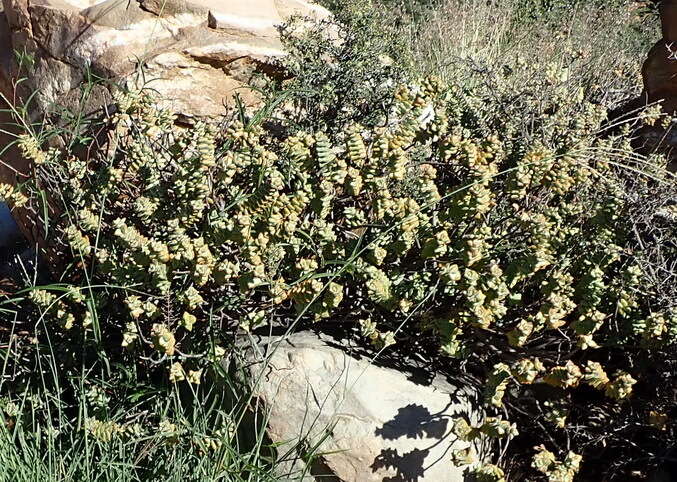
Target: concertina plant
[436, 225]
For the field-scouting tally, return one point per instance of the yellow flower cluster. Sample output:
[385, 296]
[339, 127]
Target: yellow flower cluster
[545, 462]
[12, 196]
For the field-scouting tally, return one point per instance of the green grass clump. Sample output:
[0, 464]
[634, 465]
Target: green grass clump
[601, 44]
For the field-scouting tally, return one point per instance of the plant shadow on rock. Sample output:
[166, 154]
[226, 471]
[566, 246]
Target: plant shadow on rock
[409, 466]
[412, 421]
[415, 421]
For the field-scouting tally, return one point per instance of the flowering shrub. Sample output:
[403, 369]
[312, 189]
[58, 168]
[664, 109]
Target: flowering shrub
[507, 251]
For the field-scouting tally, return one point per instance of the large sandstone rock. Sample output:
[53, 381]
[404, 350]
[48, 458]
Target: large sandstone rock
[660, 68]
[197, 54]
[659, 74]
[371, 423]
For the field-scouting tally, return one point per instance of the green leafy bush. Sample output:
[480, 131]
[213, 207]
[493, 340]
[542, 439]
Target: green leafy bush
[340, 70]
[500, 232]
[499, 247]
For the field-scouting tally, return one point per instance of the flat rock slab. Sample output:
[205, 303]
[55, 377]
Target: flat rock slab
[370, 423]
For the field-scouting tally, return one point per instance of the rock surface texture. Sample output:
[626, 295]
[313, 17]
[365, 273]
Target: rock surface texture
[660, 68]
[372, 423]
[659, 74]
[197, 54]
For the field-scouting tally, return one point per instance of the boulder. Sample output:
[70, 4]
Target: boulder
[659, 75]
[365, 422]
[197, 54]
[660, 66]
